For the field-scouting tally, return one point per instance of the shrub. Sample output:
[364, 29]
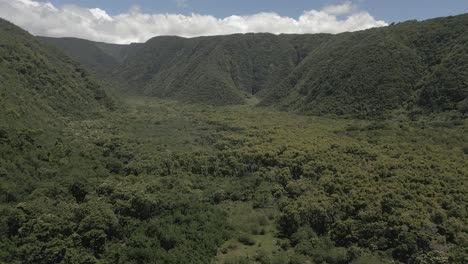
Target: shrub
[246, 240]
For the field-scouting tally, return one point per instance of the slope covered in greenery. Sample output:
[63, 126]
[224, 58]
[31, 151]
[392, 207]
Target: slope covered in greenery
[221, 70]
[214, 70]
[408, 68]
[99, 58]
[411, 66]
[86, 52]
[39, 83]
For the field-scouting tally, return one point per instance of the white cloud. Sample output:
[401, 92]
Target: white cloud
[45, 19]
[100, 14]
[343, 9]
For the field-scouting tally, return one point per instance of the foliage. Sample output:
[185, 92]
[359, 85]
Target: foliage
[38, 82]
[411, 68]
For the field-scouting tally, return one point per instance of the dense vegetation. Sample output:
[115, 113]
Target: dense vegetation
[164, 182]
[88, 178]
[38, 83]
[411, 68]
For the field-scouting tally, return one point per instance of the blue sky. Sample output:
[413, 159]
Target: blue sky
[387, 10]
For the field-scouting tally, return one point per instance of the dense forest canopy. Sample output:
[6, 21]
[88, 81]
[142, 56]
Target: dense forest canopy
[98, 163]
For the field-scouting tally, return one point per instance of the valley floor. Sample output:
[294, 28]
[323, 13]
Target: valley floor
[162, 182]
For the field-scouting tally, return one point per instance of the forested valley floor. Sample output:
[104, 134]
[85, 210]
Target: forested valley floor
[162, 182]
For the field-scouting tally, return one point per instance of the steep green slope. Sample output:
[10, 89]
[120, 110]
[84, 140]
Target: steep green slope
[371, 73]
[40, 84]
[224, 70]
[351, 74]
[214, 70]
[409, 68]
[443, 46]
[100, 58]
[86, 52]
[218, 70]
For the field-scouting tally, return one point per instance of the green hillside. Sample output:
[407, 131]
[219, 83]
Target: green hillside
[223, 70]
[41, 92]
[411, 68]
[102, 59]
[86, 52]
[40, 84]
[213, 70]
[220, 70]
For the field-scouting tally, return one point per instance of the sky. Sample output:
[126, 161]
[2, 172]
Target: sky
[126, 21]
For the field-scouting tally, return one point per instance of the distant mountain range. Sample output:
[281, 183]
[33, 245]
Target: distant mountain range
[411, 67]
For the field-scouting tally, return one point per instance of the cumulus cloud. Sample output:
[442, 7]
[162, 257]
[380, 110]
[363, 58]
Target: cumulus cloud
[46, 19]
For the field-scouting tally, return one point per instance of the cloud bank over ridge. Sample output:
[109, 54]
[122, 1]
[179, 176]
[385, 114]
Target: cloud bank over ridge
[46, 19]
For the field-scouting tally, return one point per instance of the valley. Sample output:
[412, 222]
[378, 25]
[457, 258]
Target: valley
[248, 148]
[169, 182]
[410, 68]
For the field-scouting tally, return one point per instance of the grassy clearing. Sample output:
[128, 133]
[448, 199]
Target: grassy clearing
[255, 231]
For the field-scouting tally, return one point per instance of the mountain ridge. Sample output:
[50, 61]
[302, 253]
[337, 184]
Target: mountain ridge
[366, 74]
